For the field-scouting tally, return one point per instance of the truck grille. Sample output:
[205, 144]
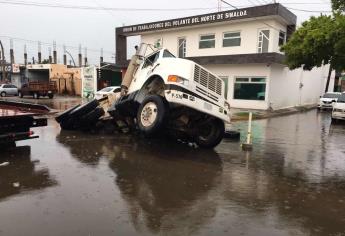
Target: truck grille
[207, 80]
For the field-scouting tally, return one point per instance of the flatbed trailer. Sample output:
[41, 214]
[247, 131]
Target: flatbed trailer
[17, 118]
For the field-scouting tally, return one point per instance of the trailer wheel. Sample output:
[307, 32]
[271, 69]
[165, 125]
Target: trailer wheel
[36, 96]
[3, 94]
[64, 115]
[152, 114]
[210, 134]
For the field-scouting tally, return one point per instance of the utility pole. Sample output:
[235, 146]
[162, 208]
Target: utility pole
[2, 61]
[219, 5]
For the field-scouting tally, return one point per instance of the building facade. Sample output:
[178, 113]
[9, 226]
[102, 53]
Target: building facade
[242, 47]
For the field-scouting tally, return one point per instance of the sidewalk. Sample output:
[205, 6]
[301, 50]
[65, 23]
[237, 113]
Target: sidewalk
[238, 114]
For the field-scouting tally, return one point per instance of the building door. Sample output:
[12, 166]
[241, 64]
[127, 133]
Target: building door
[182, 43]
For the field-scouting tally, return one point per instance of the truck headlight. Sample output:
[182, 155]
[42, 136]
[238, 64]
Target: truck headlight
[177, 79]
[227, 105]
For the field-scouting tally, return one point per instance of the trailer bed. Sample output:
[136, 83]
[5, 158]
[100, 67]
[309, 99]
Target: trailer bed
[17, 118]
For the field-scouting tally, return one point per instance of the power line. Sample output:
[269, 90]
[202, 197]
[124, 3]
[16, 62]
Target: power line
[37, 4]
[305, 10]
[228, 4]
[49, 44]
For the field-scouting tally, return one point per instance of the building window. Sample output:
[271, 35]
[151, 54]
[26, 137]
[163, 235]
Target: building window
[182, 47]
[264, 39]
[282, 38]
[226, 85]
[207, 41]
[232, 39]
[250, 88]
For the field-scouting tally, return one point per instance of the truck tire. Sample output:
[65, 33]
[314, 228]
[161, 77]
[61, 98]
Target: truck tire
[90, 119]
[50, 95]
[210, 134]
[83, 109]
[64, 115]
[36, 95]
[152, 115]
[3, 94]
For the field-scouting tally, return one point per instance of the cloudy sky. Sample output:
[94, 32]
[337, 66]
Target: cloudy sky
[95, 29]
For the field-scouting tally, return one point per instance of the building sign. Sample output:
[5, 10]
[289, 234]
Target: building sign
[15, 68]
[8, 67]
[89, 82]
[188, 21]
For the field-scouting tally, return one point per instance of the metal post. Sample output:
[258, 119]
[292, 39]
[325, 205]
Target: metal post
[54, 53]
[80, 57]
[64, 55]
[25, 55]
[248, 145]
[39, 53]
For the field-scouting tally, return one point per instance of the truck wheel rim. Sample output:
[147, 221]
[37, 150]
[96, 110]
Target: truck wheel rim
[148, 114]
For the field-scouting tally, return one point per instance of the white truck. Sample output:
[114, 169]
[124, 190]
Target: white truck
[160, 94]
[163, 93]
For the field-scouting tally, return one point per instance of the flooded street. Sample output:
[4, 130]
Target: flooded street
[70, 183]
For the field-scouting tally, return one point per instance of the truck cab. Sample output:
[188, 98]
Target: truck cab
[175, 95]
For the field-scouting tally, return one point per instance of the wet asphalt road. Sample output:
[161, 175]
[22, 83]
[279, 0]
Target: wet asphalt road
[70, 183]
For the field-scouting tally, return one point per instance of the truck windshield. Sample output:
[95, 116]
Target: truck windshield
[331, 95]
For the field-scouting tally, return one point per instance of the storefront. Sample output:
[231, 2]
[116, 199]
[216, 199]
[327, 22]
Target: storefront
[242, 47]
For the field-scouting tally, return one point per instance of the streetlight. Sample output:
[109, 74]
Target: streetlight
[2, 61]
[71, 57]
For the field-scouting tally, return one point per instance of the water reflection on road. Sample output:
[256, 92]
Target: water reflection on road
[292, 183]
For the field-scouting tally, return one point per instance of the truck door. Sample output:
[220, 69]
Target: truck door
[144, 71]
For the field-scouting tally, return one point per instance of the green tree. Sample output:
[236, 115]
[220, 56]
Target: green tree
[338, 5]
[319, 41]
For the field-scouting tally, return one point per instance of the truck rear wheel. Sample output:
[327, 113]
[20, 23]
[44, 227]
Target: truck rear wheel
[210, 134]
[152, 114]
[50, 95]
[36, 96]
[20, 95]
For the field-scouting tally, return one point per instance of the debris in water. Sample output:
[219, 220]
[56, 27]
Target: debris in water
[4, 164]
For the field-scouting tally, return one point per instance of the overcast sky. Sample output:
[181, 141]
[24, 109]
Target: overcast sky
[95, 29]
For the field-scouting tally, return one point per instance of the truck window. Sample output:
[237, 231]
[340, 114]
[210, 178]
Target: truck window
[151, 60]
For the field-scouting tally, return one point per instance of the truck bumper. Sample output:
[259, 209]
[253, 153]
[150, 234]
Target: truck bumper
[196, 102]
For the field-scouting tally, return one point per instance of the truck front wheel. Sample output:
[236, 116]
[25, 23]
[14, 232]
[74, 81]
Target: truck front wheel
[152, 114]
[210, 134]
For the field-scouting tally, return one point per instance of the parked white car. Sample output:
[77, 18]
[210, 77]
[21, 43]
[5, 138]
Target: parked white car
[338, 112]
[8, 89]
[106, 91]
[328, 100]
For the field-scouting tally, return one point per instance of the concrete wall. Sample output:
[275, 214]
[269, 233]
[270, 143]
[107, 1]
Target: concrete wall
[65, 82]
[249, 38]
[290, 88]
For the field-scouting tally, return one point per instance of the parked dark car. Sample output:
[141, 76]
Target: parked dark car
[38, 89]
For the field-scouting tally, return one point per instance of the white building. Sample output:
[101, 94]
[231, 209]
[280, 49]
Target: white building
[241, 46]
